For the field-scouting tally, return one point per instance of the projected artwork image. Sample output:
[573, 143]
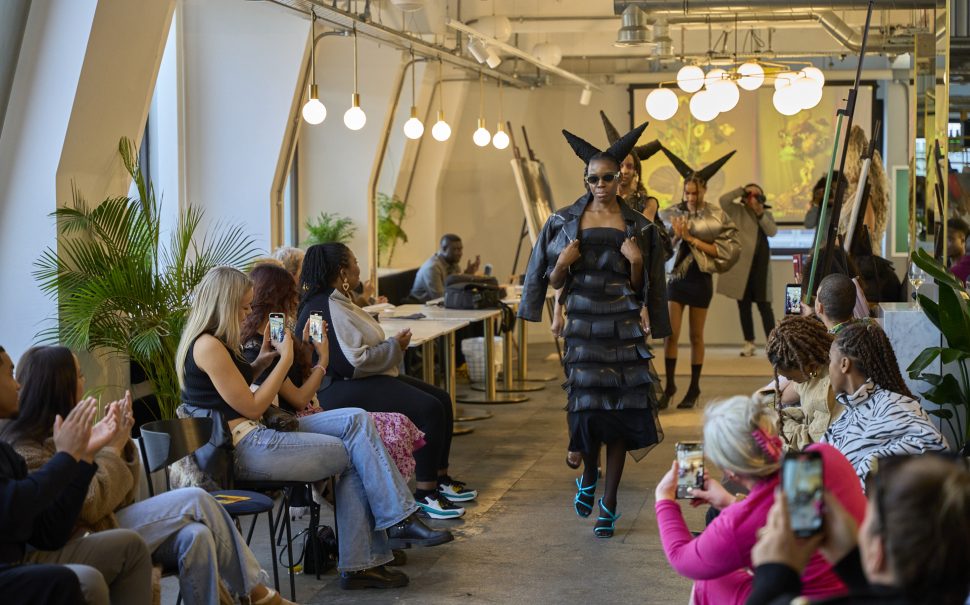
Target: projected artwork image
[786, 155]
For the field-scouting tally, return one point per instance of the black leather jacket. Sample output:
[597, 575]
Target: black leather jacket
[563, 227]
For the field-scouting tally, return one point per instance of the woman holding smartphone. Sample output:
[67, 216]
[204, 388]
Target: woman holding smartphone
[374, 503]
[705, 241]
[365, 371]
[741, 440]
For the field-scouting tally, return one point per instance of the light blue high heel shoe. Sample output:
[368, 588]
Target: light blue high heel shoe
[583, 508]
[605, 531]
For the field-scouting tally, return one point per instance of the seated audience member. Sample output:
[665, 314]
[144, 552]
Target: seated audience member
[835, 302]
[292, 259]
[957, 231]
[373, 501]
[40, 510]
[912, 549]
[364, 371]
[275, 291]
[798, 350]
[186, 530]
[429, 283]
[881, 416]
[740, 439]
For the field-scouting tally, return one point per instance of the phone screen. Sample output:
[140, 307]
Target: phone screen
[276, 327]
[793, 299]
[316, 326]
[802, 481]
[690, 468]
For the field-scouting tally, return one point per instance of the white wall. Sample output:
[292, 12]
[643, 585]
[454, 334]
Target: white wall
[242, 62]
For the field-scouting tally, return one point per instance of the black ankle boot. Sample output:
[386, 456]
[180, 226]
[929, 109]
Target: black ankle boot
[694, 392]
[670, 367]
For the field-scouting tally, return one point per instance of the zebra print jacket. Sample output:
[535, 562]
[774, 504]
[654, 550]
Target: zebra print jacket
[878, 423]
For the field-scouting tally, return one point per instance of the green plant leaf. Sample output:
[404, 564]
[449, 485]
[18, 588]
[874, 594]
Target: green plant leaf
[922, 360]
[941, 413]
[931, 309]
[949, 355]
[935, 269]
[953, 318]
[946, 392]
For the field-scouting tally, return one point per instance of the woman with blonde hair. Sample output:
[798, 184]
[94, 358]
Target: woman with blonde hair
[374, 501]
[740, 439]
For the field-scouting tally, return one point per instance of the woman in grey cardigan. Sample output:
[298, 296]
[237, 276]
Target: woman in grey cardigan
[749, 281]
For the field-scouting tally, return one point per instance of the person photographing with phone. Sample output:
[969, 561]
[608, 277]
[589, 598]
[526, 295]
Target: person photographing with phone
[749, 280]
[897, 556]
[740, 438]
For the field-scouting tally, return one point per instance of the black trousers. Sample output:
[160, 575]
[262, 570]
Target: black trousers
[427, 406]
[40, 585]
[747, 321]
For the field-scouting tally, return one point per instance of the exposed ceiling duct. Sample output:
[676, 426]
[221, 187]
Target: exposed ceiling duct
[851, 37]
[687, 6]
[634, 30]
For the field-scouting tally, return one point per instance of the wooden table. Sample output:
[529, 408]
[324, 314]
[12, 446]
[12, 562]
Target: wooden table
[424, 334]
[488, 317]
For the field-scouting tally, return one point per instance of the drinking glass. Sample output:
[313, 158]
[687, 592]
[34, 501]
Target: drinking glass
[916, 279]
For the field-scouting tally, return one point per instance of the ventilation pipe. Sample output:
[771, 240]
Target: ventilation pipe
[686, 6]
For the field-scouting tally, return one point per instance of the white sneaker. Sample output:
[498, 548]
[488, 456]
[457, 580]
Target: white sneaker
[456, 491]
[748, 349]
[436, 506]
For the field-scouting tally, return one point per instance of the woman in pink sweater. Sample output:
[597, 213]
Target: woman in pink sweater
[740, 438]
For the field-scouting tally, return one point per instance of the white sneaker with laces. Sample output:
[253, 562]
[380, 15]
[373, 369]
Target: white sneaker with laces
[456, 491]
[748, 349]
[436, 506]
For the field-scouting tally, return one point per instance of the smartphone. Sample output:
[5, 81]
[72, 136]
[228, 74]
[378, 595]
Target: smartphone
[277, 326]
[316, 326]
[793, 299]
[690, 468]
[801, 476]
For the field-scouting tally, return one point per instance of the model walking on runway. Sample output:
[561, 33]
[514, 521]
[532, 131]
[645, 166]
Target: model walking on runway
[598, 252]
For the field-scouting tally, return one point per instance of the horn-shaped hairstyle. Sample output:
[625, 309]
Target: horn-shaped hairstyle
[618, 150]
[704, 174]
[642, 152]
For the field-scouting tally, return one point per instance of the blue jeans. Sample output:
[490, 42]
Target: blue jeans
[371, 494]
[188, 530]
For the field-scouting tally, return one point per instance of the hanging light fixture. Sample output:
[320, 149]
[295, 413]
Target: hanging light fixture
[501, 139]
[413, 128]
[690, 78]
[752, 75]
[586, 96]
[441, 131]
[314, 111]
[704, 106]
[661, 104]
[482, 136]
[355, 118]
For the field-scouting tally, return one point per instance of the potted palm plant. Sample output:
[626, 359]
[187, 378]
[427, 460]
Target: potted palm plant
[950, 388]
[123, 287]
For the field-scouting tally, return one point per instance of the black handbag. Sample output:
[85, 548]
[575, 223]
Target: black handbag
[319, 551]
[472, 292]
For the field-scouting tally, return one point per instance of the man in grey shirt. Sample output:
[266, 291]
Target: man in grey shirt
[429, 283]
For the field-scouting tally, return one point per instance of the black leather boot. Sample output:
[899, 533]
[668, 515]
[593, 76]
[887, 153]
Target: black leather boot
[375, 577]
[413, 532]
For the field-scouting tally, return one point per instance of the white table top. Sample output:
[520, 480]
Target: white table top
[441, 313]
[422, 330]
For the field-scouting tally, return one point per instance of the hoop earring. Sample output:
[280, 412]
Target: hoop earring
[346, 286]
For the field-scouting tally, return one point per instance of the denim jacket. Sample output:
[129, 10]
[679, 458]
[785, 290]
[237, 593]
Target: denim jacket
[563, 227]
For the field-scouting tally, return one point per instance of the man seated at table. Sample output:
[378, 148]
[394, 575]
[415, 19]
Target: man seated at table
[429, 283]
[957, 231]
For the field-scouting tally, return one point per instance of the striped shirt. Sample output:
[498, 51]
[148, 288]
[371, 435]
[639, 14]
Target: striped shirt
[878, 423]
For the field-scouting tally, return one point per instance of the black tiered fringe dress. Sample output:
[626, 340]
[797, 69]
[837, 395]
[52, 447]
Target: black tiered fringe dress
[609, 385]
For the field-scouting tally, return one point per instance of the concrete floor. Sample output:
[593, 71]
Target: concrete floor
[521, 542]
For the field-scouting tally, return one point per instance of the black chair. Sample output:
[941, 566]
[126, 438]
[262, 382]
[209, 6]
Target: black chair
[164, 442]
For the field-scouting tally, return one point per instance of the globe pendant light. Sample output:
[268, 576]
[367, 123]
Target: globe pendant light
[482, 136]
[662, 104]
[690, 78]
[501, 139]
[413, 128]
[355, 118]
[726, 94]
[703, 106]
[314, 112]
[752, 76]
[715, 75]
[441, 131]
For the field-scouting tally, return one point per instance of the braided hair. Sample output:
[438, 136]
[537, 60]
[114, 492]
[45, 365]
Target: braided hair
[796, 343]
[868, 347]
[321, 266]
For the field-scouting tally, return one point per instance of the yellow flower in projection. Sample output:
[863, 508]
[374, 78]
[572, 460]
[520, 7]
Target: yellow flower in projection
[699, 130]
[706, 146]
[726, 129]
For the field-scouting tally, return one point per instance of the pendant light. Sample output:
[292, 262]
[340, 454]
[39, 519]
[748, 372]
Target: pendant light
[441, 131]
[355, 118]
[413, 128]
[501, 139]
[482, 136]
[314, 111]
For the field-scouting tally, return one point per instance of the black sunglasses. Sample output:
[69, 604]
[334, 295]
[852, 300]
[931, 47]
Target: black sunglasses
[609, 177]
